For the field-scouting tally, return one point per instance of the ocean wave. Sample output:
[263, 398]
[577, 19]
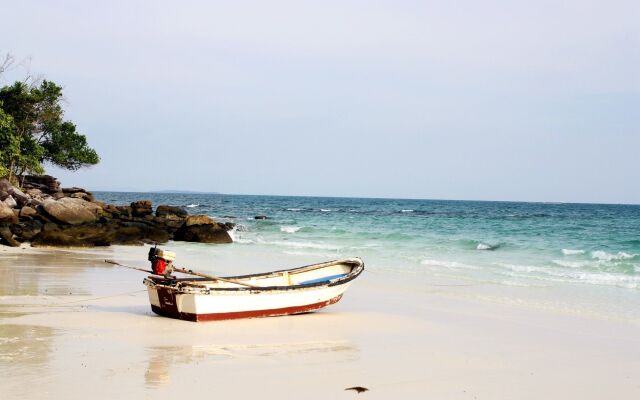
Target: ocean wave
[243, 241]
[290, 229]
[573, 275]
[295, 209]
[407, 211]
[569, 252]
[326, 210]
[303, 245]
[484, 246]
[192, 205]
[570, 264]
[604, 256]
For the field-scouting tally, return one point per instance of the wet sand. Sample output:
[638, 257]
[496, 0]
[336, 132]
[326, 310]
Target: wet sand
[73, 327]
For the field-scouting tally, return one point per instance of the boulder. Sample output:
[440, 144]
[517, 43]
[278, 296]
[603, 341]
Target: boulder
[260, 217]
[69, 211]
[202, 234]
[10, 202]
[6, 213]
[199, 220]
[27, 212]
[171, 212]
[3, 194]
[141, 208]
[21, 198]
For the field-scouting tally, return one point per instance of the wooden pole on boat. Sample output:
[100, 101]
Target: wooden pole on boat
[215, 278]
[188, 272]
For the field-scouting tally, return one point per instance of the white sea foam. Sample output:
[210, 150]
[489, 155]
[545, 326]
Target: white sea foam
[569, 264]
[290, 229]
[406, 211]
[569, 252]
[304, 245]
[447, 264]
[326, 210]
[484, 246]
[294, 209]
[604, 256]
[192, 205]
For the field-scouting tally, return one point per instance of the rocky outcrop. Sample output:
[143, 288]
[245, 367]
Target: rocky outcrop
[45, 183]
[45, 215]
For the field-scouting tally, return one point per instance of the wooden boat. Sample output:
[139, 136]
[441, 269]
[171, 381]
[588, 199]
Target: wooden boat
[284, 292]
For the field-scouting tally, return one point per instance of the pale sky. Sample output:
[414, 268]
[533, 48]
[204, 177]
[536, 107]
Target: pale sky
[490, 100]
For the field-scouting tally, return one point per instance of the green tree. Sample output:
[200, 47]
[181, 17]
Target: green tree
[31, 122]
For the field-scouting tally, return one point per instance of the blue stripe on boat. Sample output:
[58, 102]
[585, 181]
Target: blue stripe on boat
[323, 279]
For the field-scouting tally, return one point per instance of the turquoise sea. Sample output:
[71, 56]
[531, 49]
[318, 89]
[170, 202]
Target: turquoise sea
[502, 243]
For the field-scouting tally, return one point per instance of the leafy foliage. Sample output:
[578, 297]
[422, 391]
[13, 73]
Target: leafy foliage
[33, 131]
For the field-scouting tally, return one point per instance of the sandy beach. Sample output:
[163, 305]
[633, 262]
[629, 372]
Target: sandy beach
[74, 327]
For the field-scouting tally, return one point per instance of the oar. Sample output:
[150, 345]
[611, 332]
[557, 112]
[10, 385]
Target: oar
[185, 271]
[215, 278]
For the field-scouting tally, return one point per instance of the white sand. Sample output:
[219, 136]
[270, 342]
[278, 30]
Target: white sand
[72, 327]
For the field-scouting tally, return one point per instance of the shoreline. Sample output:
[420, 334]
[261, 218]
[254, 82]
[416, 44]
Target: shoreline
[393, 340]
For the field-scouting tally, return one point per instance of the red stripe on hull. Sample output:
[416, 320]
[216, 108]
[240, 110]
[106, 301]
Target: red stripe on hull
[173, 313]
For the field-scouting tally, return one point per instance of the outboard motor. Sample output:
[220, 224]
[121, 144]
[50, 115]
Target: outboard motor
[161, 261]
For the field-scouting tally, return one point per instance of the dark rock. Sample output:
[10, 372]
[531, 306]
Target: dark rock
[70, 211]
[46, 183]
[171, 212]
[3, 194]
[82, 236]
[260, 217]
[140, 232]
[141, 208]
[202, 234]
[26, 230]
[6, 237]
[72, 190]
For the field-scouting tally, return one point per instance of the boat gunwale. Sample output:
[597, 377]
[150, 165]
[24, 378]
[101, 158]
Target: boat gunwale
[173, 284]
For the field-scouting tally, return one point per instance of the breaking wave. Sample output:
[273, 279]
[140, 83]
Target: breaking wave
[290, 229]
[604, 256]
[569, 252]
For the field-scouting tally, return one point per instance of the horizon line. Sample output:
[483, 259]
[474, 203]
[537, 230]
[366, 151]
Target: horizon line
[549, 202]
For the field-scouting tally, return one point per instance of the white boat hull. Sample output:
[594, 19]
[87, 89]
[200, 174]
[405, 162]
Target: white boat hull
[206, 301]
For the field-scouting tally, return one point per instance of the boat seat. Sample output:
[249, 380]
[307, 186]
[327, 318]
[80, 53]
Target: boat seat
[323, 279]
